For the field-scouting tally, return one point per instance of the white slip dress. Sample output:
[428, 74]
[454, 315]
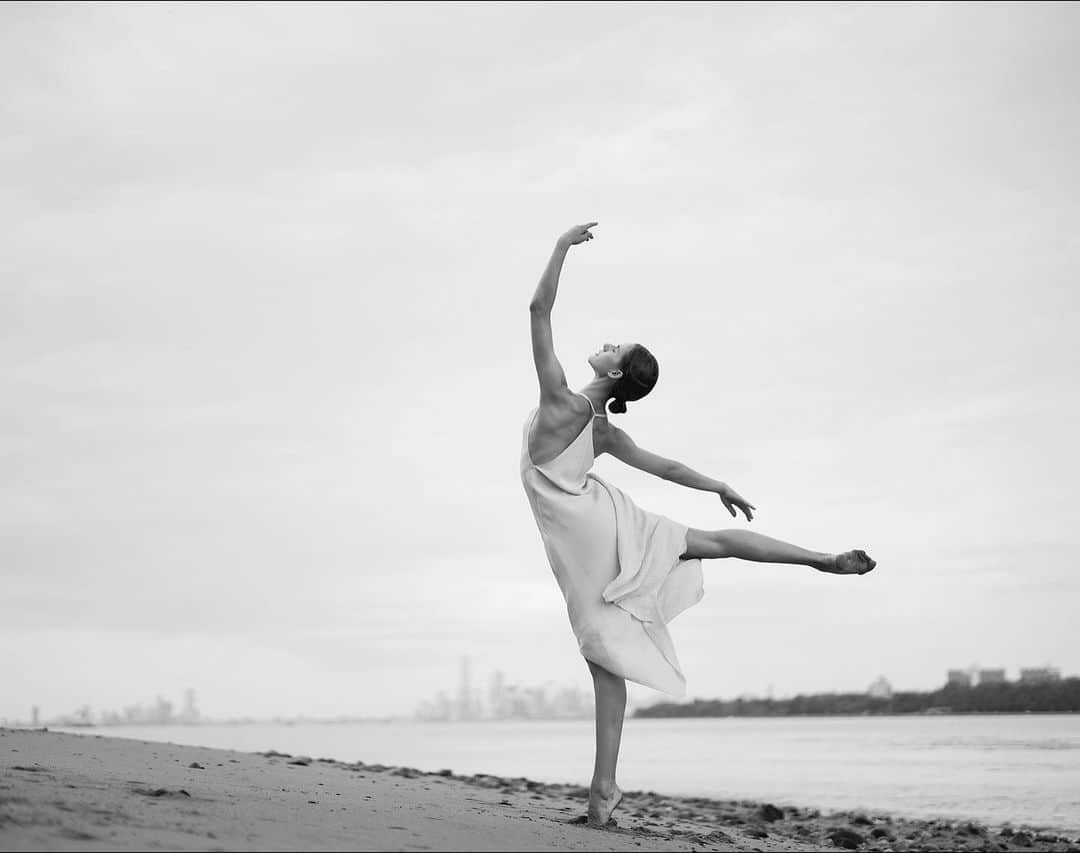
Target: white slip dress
[619, 567]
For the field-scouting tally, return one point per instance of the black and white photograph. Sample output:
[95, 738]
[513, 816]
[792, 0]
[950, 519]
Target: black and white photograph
[775, 308]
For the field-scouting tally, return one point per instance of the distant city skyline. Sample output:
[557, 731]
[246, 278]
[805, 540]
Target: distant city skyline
[976, 675]
[504, 700]
[159, 713]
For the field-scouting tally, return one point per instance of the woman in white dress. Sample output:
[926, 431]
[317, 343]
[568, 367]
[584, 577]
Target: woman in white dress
[625, 572]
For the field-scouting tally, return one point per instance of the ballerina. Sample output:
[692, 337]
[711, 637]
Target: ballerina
[624, 572]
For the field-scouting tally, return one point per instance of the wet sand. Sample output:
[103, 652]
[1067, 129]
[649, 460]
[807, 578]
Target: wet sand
[62, 791]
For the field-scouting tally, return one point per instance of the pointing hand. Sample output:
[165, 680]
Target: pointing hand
[578, 234]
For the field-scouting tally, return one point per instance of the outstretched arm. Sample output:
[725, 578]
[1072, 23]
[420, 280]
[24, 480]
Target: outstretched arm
[622, 447]
[548, 370]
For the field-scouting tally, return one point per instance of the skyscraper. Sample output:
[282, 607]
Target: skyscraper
[464, 708]
[190, 714]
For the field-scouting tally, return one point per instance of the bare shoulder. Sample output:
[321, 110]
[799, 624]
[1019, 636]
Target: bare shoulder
[559, 418]
[558, 409]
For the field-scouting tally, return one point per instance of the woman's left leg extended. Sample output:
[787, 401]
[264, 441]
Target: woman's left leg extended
[746, 545]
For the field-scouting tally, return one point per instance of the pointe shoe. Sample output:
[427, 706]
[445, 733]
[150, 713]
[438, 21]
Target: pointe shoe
[855, 562]
[600, 810]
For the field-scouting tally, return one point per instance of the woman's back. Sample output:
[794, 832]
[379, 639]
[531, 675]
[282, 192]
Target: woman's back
[566, 470]
[554, 428]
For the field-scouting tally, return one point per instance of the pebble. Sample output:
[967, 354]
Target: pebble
[846, 838]
[769, 813]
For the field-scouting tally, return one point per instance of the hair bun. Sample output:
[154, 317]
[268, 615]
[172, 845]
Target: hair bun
[617, 406]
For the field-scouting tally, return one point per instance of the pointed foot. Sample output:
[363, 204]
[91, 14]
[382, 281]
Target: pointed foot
[855, 562]
[600, 808]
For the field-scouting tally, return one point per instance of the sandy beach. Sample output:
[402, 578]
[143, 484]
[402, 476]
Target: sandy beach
[62, 791]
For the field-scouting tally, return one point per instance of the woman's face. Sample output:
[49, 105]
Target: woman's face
[609, 357]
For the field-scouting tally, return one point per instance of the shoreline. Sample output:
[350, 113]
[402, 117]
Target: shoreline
[90, 791]
[330, 721]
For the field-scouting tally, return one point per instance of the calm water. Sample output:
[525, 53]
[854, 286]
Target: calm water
[1018, 768]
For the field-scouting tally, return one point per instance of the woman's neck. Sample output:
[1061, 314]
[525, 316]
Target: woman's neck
[599, 392]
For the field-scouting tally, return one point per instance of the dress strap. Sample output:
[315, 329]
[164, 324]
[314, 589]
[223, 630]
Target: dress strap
[595, 414]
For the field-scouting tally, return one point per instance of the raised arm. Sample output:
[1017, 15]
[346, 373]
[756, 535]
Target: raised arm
[548, 370]
[623, 448]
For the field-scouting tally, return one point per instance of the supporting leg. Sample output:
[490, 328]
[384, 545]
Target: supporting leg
[610, 693]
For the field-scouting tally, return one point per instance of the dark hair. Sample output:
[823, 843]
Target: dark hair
[640, 372]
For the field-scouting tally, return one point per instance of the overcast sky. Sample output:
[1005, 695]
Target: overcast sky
[263, 285]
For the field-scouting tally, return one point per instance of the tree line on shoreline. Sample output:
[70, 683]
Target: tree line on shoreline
[1009, 698]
